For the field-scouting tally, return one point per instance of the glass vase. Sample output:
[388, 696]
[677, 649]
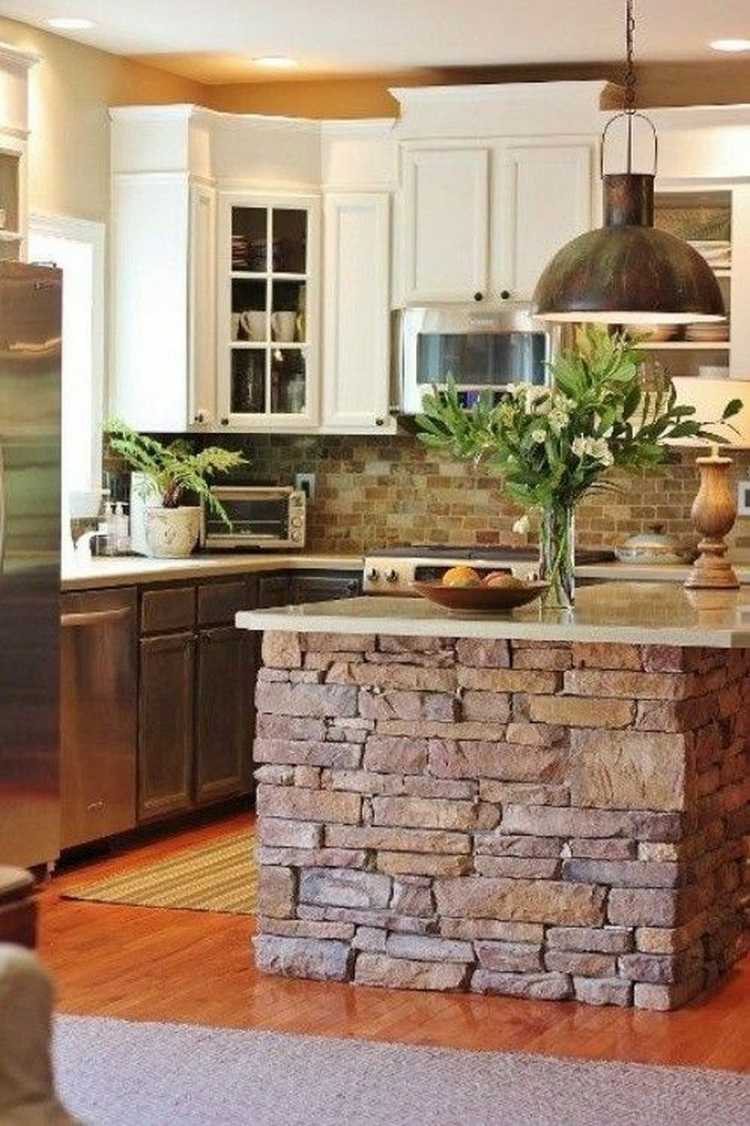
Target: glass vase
[557, 557]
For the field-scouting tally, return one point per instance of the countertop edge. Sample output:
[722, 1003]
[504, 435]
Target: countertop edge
[132, 571]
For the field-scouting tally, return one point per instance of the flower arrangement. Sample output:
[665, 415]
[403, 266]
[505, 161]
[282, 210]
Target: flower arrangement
[552, 445]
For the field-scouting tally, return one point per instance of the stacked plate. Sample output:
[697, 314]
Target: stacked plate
[239, 252]
[710, 332]
[655, 333]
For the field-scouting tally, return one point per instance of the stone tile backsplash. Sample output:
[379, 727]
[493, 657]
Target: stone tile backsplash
[376, 491]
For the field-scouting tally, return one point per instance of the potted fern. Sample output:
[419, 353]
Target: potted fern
[168, 473]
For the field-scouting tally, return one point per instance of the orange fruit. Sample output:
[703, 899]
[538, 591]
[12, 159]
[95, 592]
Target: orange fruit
[461, 576]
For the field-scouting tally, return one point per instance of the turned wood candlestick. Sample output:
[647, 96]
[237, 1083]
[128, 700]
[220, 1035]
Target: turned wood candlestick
[714, 512]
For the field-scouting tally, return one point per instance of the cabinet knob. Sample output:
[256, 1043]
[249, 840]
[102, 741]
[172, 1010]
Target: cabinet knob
[478, 296]
[505, 294]
[379, 421]
[199, 417]
[225, 422]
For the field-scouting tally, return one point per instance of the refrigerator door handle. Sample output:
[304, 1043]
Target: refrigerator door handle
[94, 617]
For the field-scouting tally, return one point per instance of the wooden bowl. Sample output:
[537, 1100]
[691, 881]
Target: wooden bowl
[480, 599]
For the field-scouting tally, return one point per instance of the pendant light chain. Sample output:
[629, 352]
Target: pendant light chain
[629, 79]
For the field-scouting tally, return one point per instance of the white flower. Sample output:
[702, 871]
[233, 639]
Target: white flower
[522, 526]
[595, 448]
[538, 436]
[538, 400]
[580, 446]
[558, 420]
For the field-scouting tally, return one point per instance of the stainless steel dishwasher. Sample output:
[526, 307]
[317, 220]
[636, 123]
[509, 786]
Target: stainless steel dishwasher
[98, 695]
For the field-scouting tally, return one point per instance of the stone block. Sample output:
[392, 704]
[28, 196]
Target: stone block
[394, 705]
[670, 940]
[320, 959]
[422, 864]
[489, 707]
[651, 907]
[308, 805]
[423, 786]
[625, 685]
[624, 873]
[581, 963]
[411, 898]
[518, 867]
[281, 650]
[537, 734]
[509, 680]
[396, 754]
[603, 991]
[337, 642]
[532, 901]
[275, 775]
[405, 973]
[598, 940]
[523, 793]
[433, 813]
[280, 833]
[549, 821]
[460, 758]
[616, 770]
[362, 782]
[316, 700]
[289, 727]
[391, 644]
[581, 711]
[607, 849]
[549, 658]
[498, 844]
[304, 928]
[510, 957]
[675, 715]
[662, 998]
[276, 892]
[307, 777]
[293, 752]
[483, 653]
[344, 888]
[313, 857]
[432, 729]
[370, 939]
[428, 948]
[606, 656]
[397, 839]
[539, 987]
[492, 929]
[662, 969]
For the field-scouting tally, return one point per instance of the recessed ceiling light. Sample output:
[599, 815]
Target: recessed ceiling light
[276, 62]
[732, 46]
[70, 23]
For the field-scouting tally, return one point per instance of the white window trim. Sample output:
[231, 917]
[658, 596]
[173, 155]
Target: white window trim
[94, 234]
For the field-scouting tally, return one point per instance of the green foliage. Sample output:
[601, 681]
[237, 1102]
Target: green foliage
[553, 444]
[173, 470]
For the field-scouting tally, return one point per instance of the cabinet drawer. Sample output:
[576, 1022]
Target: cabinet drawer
[273, 590]
[163, 610]
[219, 602]
[322, 588]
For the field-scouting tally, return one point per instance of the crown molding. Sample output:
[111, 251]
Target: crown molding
[13, 58]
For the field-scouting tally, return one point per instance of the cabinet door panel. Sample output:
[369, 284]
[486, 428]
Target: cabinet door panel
[547, 201]
[273, 590]
[222, 713]
[165, 741]
[218, 602]
[445, 223]
[202, 306]
[356, 373]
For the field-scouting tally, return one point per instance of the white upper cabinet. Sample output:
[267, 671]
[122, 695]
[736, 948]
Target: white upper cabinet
[543, 199]
[356, 307]
[445, 222]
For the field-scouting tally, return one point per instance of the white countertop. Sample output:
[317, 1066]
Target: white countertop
[630, 612]
[90, 574]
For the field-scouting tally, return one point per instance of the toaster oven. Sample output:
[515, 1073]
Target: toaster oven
[263, 516]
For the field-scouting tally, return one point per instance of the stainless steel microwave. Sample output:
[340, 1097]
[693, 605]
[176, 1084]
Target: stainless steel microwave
[479, 348]
[261, 516]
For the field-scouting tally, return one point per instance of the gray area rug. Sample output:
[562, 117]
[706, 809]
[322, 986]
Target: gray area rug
[122, 1073]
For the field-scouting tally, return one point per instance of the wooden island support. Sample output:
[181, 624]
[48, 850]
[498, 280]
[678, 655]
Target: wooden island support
[545, 806]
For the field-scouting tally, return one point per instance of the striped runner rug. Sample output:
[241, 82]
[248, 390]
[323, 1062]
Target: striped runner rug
[222, 876]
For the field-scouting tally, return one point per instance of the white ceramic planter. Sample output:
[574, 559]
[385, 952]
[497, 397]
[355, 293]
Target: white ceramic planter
[172, 533]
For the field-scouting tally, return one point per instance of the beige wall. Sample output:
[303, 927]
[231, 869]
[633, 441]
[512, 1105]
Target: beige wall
[675, 84]
[70, 90]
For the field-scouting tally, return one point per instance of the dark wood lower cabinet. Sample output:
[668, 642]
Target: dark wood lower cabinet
[222, 714]
[321, 588]
[165, 728]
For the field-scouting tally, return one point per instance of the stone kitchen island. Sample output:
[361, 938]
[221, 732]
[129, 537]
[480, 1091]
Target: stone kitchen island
[545, 805]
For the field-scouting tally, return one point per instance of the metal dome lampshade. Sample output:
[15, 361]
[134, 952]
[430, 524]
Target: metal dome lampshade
[628, 272]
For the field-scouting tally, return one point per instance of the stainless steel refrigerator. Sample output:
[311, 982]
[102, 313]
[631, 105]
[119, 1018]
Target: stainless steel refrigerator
[30, 369]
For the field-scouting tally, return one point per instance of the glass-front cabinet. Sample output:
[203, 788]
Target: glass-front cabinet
[268, 311]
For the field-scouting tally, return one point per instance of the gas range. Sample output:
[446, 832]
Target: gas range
[392, 570]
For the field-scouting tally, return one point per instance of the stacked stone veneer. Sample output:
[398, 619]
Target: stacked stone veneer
[541, 820]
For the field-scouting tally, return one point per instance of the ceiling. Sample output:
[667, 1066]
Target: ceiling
[215, 41]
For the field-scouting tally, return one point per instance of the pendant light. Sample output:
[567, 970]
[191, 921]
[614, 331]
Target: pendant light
[628, 272]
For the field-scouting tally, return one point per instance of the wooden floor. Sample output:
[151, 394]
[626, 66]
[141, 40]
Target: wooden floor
[144, 963]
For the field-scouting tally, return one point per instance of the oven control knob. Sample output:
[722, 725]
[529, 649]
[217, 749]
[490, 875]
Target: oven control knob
[373, 574]
[391, 576]
[296, 521]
